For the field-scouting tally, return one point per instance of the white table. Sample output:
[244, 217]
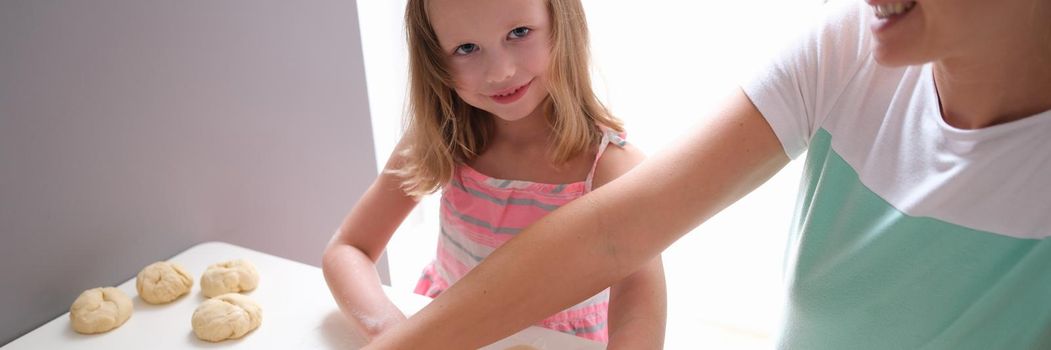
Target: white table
[298, 313]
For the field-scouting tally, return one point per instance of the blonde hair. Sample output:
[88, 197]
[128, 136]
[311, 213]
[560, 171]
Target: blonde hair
[444, 131]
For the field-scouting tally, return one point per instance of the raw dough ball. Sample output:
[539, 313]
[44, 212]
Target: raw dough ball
[99, 310]
[228, 316]
[229, 277]
[161, 282]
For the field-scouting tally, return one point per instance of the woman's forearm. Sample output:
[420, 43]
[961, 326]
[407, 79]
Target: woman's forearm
[638, 309]
[355, 285]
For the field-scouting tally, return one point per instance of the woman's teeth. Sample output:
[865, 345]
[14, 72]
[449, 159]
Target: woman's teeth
[884, 11]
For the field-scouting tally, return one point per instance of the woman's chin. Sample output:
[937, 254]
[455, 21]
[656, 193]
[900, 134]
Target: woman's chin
[892, 58]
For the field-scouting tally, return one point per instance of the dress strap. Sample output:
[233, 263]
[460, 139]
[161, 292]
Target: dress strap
[608, 136]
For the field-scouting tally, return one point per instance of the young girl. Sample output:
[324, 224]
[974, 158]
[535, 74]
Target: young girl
[504, 122]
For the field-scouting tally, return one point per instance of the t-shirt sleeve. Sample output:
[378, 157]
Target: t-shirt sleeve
[795, 90]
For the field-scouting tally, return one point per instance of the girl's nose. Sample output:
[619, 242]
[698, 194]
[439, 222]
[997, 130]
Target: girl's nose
[501, 66]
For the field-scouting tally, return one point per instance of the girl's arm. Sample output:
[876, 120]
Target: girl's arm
[596, 240]
[349, 261]
[638, 304]
[638, 309]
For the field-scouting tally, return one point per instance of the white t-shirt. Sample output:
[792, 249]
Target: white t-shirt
[909, 233]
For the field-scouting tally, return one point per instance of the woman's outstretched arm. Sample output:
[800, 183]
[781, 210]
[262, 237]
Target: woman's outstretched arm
[599, 239]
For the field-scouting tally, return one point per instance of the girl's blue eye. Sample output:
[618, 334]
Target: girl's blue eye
[518, 33]
[465, 49]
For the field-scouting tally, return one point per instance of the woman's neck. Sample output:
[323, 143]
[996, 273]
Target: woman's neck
[997, 86]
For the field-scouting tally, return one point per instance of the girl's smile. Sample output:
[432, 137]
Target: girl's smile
[511, 95]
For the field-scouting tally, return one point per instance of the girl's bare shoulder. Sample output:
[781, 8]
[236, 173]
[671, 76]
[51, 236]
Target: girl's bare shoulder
[616, 161]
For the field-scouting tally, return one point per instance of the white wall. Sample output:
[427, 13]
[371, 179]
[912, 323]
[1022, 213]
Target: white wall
[132, 129]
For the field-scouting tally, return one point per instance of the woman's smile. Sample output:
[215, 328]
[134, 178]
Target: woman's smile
[889, 12]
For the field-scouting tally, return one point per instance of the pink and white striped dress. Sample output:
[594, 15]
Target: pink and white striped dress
[480, 213]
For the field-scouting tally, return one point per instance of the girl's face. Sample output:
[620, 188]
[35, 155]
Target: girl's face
[496, 51]
[916, 32]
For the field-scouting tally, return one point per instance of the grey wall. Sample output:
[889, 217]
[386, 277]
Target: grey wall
[131, 130]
